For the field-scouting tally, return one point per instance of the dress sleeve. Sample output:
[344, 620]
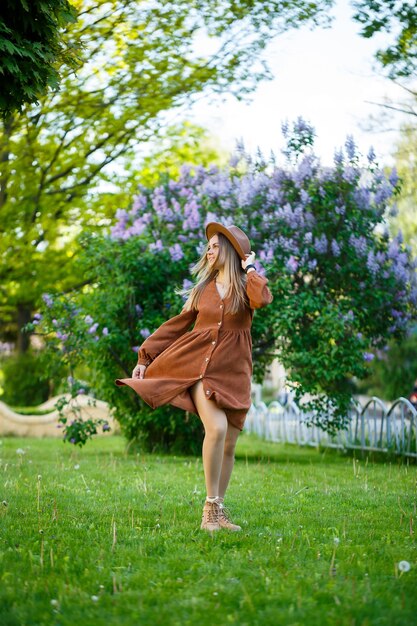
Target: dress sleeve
[257, 290]
[166, 334]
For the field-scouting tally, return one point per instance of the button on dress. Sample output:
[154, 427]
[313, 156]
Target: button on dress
[217, 351]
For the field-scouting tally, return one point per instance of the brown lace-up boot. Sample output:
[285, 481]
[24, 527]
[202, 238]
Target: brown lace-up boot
[210, 519]
[224, 519]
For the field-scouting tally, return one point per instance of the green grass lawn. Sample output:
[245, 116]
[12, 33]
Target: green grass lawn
[98, 537]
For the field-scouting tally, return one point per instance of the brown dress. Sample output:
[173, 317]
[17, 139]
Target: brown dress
[218, 351]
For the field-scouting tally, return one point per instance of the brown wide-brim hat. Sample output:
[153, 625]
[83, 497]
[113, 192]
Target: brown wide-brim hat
[234, 234]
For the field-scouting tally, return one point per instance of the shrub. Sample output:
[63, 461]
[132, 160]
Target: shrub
[24, 380]
[341, 286]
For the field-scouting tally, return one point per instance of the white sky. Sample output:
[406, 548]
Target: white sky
[324, 75]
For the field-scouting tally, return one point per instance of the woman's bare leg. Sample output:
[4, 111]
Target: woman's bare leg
[215, 426]
[228, 458]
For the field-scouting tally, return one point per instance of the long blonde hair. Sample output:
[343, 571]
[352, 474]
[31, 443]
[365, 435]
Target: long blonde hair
[234, 275]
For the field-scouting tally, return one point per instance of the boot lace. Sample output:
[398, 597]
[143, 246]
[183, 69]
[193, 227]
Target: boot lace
[225, 513]
[212, 513]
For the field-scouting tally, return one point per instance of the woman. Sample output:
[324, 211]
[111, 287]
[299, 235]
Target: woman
[208, 370]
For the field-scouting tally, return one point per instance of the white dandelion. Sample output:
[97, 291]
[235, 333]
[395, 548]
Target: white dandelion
[404, 566]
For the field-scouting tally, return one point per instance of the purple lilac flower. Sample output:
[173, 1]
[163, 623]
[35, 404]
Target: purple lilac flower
[234, 160]
[312, 264]
[293, 217]
[285, 128]
[335, 247]
[305, 170]
[135, 348]
[106, 427]
[359, 335]
[380, 257]
[372, 263]
[105, 331]
[139, 203]
[55, 322]
[309, 218]
[394, 210]
[321, 244]
[400, 273]
[350, 147]
[340, 210]
[186, 284]
[37, 316]
[292, 264]
[159, 201]
[393, 178]
[368, 356]
[362, 197]
[383, 193]
[176, 252]
[268, 256]
[136, 229]
[62, 336]
[117, 231]
[93, 328]
[192, 220]
[156, 247]
[302, 126]
[287, 245]
[308, 238]
[122, 216]
[88, 319]
[371, 155]
[304, 197]
[349, 174]
[359, 243]
[145, 332]
[72, 440]
[338, 157]
[185, 171]
[47, 299]
[211, 217]
[248, 188]
[80, 392]
[138, 309]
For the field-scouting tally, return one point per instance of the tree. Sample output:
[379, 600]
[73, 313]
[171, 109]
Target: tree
[341, 286]
[140, 61]
[406, 163]
[32, 49]
[398, 18]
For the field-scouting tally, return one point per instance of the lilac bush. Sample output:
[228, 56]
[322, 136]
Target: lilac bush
[341, 286]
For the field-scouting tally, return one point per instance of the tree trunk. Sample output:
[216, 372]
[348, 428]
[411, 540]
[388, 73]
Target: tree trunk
[23, 338]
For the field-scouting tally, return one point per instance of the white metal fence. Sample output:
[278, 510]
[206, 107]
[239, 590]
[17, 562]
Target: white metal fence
[374, 426]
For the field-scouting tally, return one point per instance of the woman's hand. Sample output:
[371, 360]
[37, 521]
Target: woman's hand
[139, 371]
[250, 258]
